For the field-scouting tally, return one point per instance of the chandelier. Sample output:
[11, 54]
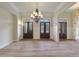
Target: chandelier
[36, 15]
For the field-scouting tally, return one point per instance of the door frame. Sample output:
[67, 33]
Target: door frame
[27, 30]
[44, 30]
[66, 32]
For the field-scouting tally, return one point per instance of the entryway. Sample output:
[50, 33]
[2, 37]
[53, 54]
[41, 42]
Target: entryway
[28, 30]
[45, 30]
[62, 30]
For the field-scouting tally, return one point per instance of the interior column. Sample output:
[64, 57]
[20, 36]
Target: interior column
[55, 29]
[36, 30]
[51, 27]
[70, 27]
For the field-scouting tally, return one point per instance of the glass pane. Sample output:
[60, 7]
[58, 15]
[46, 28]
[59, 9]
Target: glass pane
[44, 20]
[47, 27]
[25, 27]
[64, 26]
[30, 27]
[42, 27]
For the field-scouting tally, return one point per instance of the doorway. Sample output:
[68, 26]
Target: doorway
[62, 30]
[45, 30]
[28, 30]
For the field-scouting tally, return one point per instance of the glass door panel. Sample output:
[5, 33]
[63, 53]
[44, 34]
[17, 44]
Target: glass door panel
[47, 27]
[28, 30]
[44, 30]
[30, 27]
[42, 27]
[25, 27]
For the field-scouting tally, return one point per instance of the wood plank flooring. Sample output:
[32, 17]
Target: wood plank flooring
[39, 48]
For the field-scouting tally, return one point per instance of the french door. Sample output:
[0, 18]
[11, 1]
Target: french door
[44, 29]
[63, 30]
[28, 30]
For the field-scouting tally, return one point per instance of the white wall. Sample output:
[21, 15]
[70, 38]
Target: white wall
[15, 28]
[70, 27]
[6, 28]
[76, 28]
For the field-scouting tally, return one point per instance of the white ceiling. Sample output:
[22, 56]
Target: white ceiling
[72, 9]
[48, 9]
[75, 6]
[43, 7]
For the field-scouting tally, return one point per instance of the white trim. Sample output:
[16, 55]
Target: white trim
[6, 44]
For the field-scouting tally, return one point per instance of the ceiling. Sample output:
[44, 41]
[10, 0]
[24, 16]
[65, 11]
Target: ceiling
[48, 9]
[75, 6]
[73, 9]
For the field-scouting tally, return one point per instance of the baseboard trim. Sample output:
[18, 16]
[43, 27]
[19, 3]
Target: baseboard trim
[6, 44]
[70, 39]
[15, 40]
[66, 39]
[38, 39]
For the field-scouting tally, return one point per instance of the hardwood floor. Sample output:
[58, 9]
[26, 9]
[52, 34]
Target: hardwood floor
[39, 48]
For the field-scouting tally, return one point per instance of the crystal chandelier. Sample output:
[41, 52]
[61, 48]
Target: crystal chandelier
[36, 15]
